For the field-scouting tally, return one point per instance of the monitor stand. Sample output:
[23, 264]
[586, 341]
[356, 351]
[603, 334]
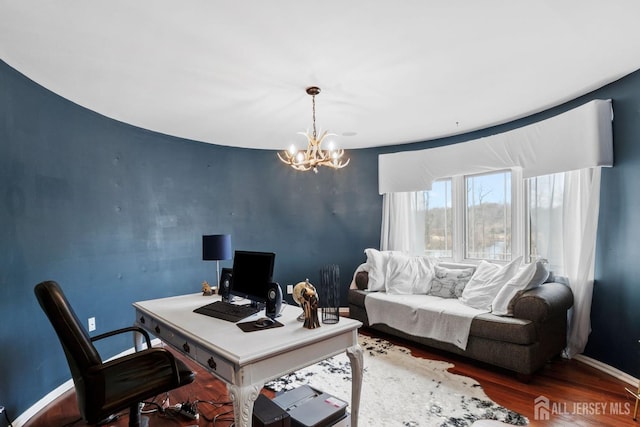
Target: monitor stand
[256, 304]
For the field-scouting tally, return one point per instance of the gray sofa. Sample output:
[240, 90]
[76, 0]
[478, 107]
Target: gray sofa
[522, 343]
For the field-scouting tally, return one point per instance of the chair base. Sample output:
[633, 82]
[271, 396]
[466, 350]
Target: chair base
[108, 420]
[135, 417]
[139, 421]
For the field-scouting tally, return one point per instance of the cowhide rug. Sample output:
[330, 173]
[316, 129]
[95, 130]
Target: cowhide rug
[401, 390]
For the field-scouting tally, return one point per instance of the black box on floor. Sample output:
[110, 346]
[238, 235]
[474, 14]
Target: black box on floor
[345, 421]
[309, 407]
[268, 414]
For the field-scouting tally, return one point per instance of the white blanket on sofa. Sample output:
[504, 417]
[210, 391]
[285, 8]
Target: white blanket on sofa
[442, 319]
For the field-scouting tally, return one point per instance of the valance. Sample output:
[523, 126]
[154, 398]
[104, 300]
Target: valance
[577, 139]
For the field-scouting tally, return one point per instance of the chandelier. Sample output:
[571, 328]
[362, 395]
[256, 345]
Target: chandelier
[314, 155]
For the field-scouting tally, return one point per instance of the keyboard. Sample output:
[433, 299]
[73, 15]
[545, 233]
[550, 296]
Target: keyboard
[227, 311]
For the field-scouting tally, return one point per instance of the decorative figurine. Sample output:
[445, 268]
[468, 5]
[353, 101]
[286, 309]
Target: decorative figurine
[304, 294]
[206, 289]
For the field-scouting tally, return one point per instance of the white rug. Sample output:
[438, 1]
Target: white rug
[401, 390]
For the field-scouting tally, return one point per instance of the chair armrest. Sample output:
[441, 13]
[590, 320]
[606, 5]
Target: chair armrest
[134, 364]
[123, 330]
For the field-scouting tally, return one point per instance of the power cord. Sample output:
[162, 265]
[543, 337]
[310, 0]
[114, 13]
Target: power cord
[221, 416]
[188, 410]
[158, 408]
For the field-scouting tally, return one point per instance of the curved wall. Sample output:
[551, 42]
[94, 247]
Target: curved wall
[115, 213]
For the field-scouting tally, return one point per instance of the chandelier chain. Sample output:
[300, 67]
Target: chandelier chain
[313, 102]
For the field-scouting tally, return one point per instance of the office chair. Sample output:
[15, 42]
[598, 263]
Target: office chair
[104, 388]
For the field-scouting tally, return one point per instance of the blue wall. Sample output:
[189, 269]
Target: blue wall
[115, 214]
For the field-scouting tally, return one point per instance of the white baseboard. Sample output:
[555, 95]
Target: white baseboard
[24, 418]
[608, 369]
[42, 403]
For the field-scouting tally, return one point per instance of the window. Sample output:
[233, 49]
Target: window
[488, 216]
[438, 220]
[545, 218]
[495, 216]
[468, 218]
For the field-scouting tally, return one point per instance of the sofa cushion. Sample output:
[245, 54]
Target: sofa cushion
[489, 326]
[486, 282]
[356, 297]
[449, 283]
[504, 329]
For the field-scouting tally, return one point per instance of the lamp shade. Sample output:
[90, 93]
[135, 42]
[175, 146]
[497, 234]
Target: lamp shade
[216, 247]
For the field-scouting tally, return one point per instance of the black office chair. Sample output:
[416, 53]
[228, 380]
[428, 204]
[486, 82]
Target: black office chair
[105, 388]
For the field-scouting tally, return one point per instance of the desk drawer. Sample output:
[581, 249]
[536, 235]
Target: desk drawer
[215, 364]
[168, 335]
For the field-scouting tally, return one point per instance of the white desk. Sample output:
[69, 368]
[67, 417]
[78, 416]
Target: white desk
[246, 360]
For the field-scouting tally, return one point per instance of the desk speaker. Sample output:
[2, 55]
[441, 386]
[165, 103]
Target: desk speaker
[225, 283]
[274, 301]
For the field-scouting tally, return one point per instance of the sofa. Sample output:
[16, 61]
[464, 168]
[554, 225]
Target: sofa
[521, 339]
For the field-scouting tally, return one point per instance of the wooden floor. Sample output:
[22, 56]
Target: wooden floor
[578, 394]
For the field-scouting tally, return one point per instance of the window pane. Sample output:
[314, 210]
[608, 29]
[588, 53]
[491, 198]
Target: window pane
[545, 207]
[488, 216]
[438, 220]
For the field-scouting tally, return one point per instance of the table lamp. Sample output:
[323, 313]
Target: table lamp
[216, 247]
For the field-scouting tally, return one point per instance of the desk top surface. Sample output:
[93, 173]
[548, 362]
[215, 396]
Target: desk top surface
[227, 339]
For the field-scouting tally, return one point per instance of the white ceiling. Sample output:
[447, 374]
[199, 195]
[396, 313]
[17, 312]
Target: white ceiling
[234, 72]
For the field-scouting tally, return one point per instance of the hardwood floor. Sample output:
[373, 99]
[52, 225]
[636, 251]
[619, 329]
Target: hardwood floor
[578, 394]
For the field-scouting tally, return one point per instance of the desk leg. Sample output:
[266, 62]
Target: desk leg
[243, 398]
[355, 357]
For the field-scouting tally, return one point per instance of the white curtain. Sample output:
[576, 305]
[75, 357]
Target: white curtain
[566, 236]
[582, 206]
[402, 222]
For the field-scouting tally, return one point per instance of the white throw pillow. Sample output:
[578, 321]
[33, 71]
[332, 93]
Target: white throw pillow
[377, 268]
[528, 277]
[408, 274]
[484, 286]
[483, 274]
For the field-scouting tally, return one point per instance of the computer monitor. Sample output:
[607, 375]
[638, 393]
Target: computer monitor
[252, 274]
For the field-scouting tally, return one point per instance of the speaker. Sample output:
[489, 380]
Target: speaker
[225, 283]
[274, 301]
